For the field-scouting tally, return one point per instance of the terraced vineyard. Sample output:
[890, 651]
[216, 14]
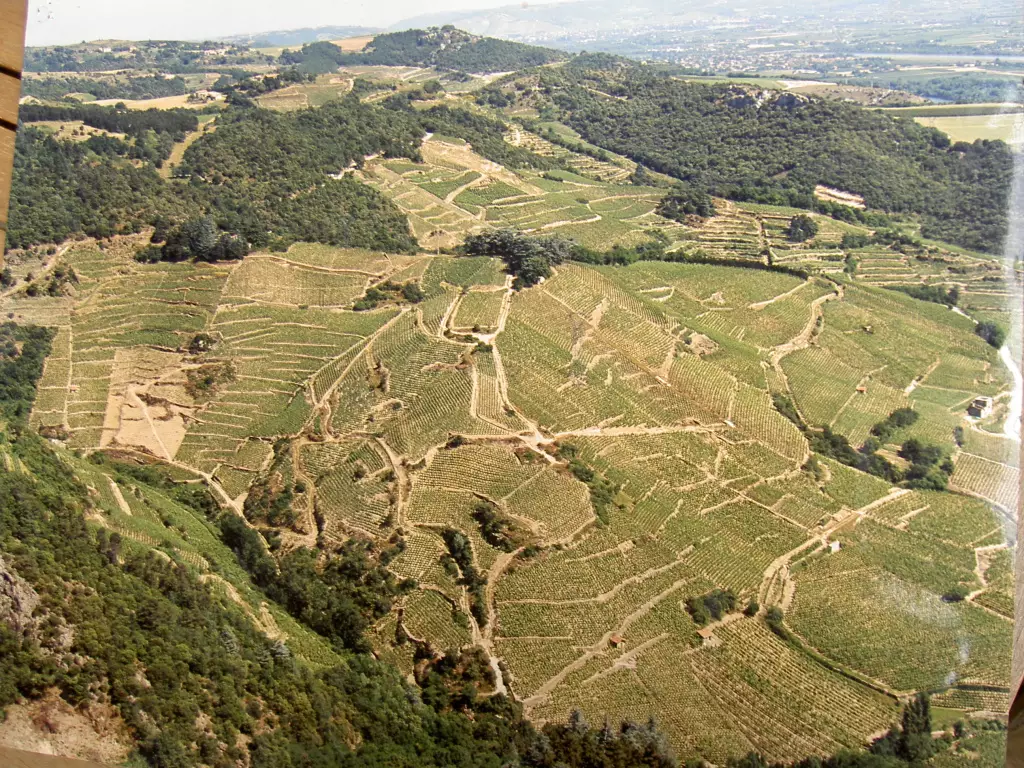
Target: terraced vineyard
[618, 424]
[455, 192]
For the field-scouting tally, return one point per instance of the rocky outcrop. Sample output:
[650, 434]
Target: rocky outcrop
[18, 601]
[742, 97]
[20, 610]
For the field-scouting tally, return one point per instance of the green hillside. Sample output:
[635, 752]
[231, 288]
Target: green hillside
[581, 419]
[774, 147]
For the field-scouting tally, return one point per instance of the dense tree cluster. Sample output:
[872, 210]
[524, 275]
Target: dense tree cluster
[148, 135]
[176, 122]
[389, 290]
[935, 293]
[495, 528]
[460, 557]
[529, 259]
[801, 228]
[279, 172]
[929, 467]
[170, 56]
[631, 745]
[257, 86]
[61, 188]
[337, 594]
[898, 419]
[21, 365]
[784, 405]
[737, 146]
[269, 178]
[992, 333]
[685, 201]
[913, 741]
[714, 605]
[131, 87]
[197, 239]
[959, 89]
[296, 150]
[269, 502]
[315, 58]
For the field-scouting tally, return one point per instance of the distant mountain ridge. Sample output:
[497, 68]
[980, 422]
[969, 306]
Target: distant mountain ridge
[300, 36]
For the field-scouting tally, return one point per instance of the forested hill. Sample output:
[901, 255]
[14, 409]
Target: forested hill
[442, 47]
[261, 172]
[774, 147]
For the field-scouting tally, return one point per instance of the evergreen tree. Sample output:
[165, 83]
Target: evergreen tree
[916, 743]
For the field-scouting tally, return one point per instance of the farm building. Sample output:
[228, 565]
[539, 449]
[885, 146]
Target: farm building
[980, 407]
[707, 635]
[616, 640]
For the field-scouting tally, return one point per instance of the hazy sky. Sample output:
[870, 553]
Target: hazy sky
[72, 21]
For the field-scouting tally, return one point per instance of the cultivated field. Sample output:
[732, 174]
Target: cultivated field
[617, 422]
[1005, 127]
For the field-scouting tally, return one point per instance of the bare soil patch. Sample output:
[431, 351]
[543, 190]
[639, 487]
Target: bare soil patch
[50, 726]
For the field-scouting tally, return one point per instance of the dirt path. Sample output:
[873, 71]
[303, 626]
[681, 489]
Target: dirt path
[485, 638]
[133, 397]
[118, 496]
[921, 379]
[600, 647]
[71, 377]
[235, 505]
[402, 476]
[479, 181]
[779, 567]
[534, 437]
[633, 431]
[556, 224]
[506, 307]
[48, 267]
[444, 325]
[604, 597]
[763, 304]
[367, 343]
[893, 494]
[803, 339]
[309, 523]
[317, 267]
[178, 150]
[982, 561]
[628, 659]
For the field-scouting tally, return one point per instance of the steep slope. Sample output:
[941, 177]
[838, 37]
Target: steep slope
[775, 147]
[318, 505]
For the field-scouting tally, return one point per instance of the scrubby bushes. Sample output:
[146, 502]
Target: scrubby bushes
[713, 605]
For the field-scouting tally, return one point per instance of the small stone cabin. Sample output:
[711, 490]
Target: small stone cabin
[980, 407]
